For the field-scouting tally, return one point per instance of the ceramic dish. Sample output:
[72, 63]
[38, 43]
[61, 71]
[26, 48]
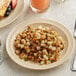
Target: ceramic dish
[68, 42]
[15, 13]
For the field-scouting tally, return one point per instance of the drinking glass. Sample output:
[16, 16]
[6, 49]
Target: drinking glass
[39, 5]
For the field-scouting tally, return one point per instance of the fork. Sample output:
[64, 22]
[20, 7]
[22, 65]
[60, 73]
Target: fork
[1, 53]
[73, 66]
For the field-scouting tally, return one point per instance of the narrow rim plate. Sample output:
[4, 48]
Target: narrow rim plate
[15, 13]
[63, 31]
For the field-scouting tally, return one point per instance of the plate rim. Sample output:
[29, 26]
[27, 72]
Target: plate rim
[15, 17]
[31, 23]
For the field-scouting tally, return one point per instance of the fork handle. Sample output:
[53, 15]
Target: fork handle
[73, 66]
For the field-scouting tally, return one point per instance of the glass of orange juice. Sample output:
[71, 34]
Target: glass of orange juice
[39, 5]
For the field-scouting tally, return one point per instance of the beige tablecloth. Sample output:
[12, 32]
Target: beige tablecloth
[64, 13]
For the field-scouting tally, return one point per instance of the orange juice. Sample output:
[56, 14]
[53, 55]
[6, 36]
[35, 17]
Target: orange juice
[40, 4]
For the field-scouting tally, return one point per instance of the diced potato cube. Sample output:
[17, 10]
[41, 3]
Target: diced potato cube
[48, 61]
[45, 51]
[45, 57]
[42, 62]
[38, 47]
[28, 43]
[22, 55]
[49, 42]
[17, 52]
[53, 48]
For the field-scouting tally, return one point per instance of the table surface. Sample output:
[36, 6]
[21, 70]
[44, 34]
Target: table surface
[64, 13]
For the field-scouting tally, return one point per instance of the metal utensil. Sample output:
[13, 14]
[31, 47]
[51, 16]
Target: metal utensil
[73, 66]
[1, 53]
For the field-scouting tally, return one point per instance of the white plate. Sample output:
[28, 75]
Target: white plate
[68, 41]
[15, 13]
